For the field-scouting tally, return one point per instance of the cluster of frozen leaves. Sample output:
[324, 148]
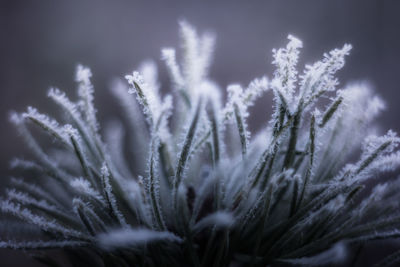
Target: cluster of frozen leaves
[180, 181]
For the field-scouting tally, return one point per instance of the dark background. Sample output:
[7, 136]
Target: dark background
[42, 41]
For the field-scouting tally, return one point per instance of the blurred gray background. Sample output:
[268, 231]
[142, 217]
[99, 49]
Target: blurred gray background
[42, 41]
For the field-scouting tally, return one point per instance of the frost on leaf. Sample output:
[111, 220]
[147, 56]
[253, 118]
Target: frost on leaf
[134, 237]
[285, 76]
[85, 92]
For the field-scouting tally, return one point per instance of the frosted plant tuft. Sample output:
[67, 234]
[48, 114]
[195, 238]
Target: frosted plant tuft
[181, 181]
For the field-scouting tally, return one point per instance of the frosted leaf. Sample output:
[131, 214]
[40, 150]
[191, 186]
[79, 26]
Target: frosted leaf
[25, 199]
[47, 124]
[138, 134]
[83, 74]
[83, 186]
[349, 125]
[187, 144]
[244, 98]
[70, 130]
[89, 218]
[134, 237]
[140, 88]
[60, 98]
[376, 156]
[360, 103]
[237, 107]
[254, 90]
[41, 205]
[24, 164]
[34, 190]
[207, 43]
[105, 173]
[319, 76]
[387, 163]
[85, 92]
[42, 222]
[41, 156]
[285, 76]
[153, 183]
[294, 43]
[372, 143]
[130, 105]
[80, 150]
[168, 55]
[134, 78]
[377, 194]
[335, 59]
[235, 92]
[156, 110]
[197, 54]
[336, 254]
[42, 244]
[71, 109]
[191, 65]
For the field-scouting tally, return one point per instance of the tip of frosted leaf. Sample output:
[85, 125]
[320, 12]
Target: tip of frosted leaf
[129, 78]
[167, 53]
[54, 92]
[104, 170]
[14, 117]
[70, 130]
[131, 237]
[234, 89]
[83, 74]
[136, 77]
[345, 51]
[347, 47]
[294, 42]
[81, 185]
[185, 25]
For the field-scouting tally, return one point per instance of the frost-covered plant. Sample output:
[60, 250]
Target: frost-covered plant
[186, 185]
